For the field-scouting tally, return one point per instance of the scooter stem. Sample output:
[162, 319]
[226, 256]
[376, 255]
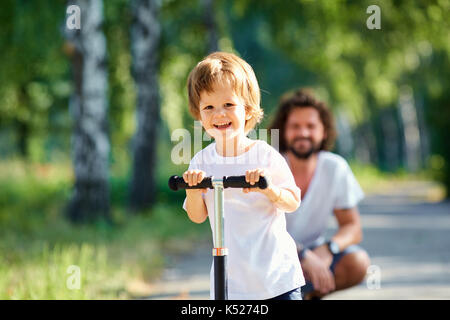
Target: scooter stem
[219, 251]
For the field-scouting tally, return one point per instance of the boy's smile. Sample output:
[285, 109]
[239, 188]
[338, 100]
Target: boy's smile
[223, 126]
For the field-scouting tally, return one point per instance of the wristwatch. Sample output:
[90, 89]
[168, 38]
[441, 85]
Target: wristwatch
[333, 247]
[301, 250]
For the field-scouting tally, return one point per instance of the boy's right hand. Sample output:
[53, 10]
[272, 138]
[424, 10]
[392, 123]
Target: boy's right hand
[192, 178]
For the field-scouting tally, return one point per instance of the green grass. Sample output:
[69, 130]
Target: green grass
[421, 185]
[373, 179]
[38, 245]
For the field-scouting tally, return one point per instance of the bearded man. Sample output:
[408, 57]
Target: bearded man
[328, 186]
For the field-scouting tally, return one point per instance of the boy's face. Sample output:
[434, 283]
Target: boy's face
[222, 112]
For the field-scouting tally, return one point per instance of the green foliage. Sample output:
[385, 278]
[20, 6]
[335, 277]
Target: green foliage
[319, 44]
[359, 72]
[34, 79]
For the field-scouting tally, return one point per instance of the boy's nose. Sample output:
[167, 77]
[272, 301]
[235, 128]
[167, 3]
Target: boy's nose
[220, 112]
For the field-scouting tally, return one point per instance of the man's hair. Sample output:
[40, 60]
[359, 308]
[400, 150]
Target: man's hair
[219, 67]
[302, 98]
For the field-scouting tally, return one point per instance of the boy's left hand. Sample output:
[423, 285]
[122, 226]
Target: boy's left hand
[252, 177]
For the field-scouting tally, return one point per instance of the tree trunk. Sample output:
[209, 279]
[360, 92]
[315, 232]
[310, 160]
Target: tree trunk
[423, 130]
[22, 127]
[377, 149]
[410, 126]
[391, 141]
[344, 141]
[210, 23]
[364, 142]
[88, 106]
[23, 135]
[145, 35]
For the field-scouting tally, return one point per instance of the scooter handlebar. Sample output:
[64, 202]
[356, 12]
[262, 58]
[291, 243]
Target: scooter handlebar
[176, 183]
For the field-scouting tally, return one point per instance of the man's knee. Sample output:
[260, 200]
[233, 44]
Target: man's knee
[361, 264]
[353, 267]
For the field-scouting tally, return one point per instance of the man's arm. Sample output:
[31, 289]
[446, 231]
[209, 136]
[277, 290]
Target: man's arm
[349, 227]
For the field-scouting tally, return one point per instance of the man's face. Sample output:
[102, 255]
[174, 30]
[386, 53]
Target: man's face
[304, 132]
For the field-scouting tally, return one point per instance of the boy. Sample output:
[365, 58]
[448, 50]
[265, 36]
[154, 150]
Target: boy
[262, 261]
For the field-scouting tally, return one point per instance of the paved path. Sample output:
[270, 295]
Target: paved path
[406, 234]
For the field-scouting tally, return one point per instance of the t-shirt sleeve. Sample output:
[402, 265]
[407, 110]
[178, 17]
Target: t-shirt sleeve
[348, 192]
[281, 174]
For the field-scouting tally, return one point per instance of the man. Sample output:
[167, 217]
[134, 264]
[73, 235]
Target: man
[328, 186]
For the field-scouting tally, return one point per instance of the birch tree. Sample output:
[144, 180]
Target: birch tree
[88, 106]
[211, 26]
[145, 36]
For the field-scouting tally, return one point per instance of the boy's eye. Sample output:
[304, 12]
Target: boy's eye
[229, 104]
[207, 107]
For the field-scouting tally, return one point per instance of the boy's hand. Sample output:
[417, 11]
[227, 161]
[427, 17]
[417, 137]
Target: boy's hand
[286, 200]
[192, 178]
[252, 177]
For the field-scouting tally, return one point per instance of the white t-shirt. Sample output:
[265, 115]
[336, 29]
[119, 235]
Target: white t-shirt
[262, 259]
[333, 186]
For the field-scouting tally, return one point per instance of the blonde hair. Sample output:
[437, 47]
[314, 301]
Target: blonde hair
[220, 67]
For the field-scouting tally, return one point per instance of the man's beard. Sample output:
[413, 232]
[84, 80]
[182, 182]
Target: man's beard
[304, 154]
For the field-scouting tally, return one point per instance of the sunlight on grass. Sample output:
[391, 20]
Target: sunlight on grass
[373, 180]
[38, 245]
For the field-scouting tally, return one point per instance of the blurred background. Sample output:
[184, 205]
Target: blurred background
[86, 117]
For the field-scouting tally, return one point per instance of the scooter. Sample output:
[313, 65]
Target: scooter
[219, 251]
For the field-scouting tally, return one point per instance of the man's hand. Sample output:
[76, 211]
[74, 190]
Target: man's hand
[324, 254]
[316, 266]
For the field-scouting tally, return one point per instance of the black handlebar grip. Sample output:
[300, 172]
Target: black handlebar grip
[239, 182]
[176, 183]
